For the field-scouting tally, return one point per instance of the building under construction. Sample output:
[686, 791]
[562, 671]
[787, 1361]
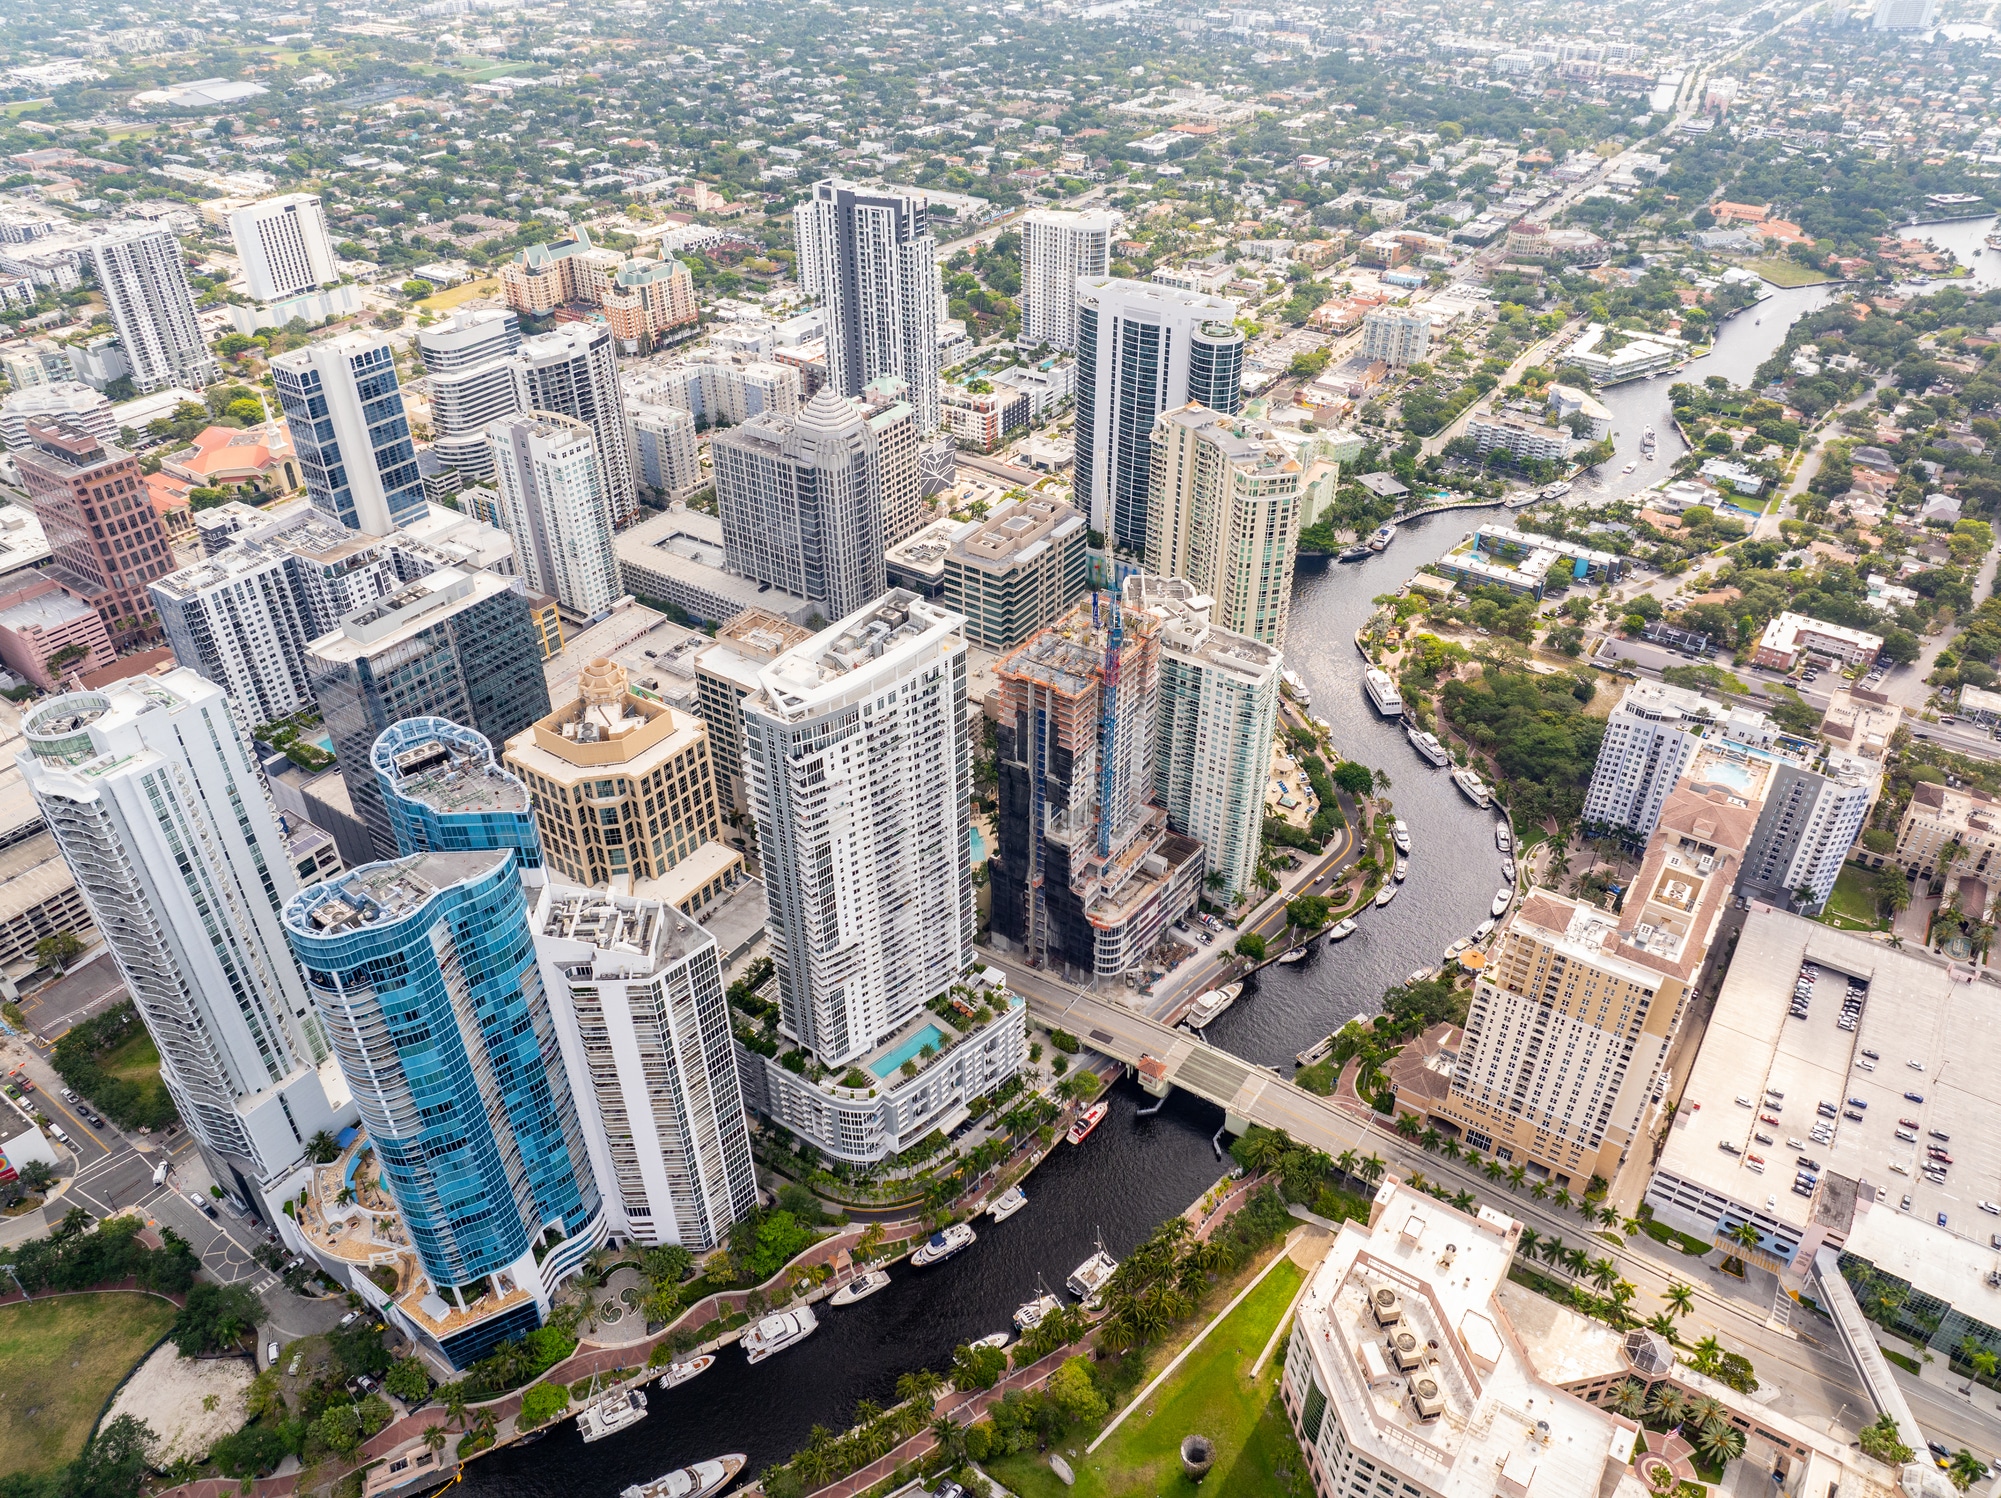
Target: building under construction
[1087, 876]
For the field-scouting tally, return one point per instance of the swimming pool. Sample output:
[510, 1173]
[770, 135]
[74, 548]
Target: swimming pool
[930, 1035]
[979, 846]
[1737, 777]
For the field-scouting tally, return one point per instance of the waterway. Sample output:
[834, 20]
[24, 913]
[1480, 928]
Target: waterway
[1133, 1172]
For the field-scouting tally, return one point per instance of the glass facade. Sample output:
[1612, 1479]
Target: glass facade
[383, 441]
[1216, 367]
[444, 793]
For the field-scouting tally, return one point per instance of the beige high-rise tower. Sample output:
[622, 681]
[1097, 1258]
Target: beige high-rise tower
[1223, 512]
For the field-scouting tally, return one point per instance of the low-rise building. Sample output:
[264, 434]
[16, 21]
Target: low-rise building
[47, 633]
[984, 420]
[1791, 637]
[1529, 441]
[677, 558]
[1527, 562]
[1611, 358]
[1947, 828]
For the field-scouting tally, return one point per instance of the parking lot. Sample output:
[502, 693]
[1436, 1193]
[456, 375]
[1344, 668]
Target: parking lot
[80, 994]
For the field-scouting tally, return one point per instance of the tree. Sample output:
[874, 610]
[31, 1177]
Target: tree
[408, 1381]
[1251, 945]
[322, 1148]
[58, 951]
[1308, 912]
[1679, 1297]
[340, 1428]
[434, 1437]
[543, 1402]
[1721, 1441]
[37, 1176]
[977, 1367]
[1883, 1441]
[1629, 1399]
[453, 1397]
[215, 1319]
[1073, 1391]
[1356, 779]
[1965, 1469]
[920, 1387]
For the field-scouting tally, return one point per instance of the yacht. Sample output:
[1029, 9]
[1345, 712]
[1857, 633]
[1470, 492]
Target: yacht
[703, 1480]
[611, 1414]
[1400, 835]
[1009, 1202]
[1381, 539]
[1297, 954]
[1507, 868]
[1089, 1277]
[1355, 554]
[941, 1246]
[1088, 1120]
[1503, 898]
[1211, 1004]
[678, 1374]
[776, 1333]
[992, 1339]
[1422, 975]
[1457, 947]
[1474, 787]
[1426, 744]
[1028, 1315]
[1342, 930]
[861, 1287]
[1386, 894]
[1503, 839]
[1484, 930]
[1994, 240]
[1556, 490]
[1382, 691]
[1630, 467]
[1295, 687]
[1402, 870]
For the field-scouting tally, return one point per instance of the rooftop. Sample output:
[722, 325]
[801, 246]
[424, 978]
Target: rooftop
[629, 937]
[389, 891]
[1184, 615]
[399, 616]
[1017, 532]
[454, 772]
[1783, 633]
[879, 638]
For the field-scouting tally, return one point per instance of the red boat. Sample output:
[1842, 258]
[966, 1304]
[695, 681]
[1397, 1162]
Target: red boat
[1088, 1120]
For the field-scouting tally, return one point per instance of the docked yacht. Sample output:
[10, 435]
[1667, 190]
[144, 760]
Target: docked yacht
[1028, 1315]
[776, 1333]
[678, 1374]
[1088, 1279]
[1402, 870]
[1400, 835]
[1386, 894]
[1503, 898]
[861, 1287]
[1507, 868]
[703, 1480]
[941, 1246]
[1427, 744]
[1382, 692]
[992, 1339]
[611, 1414]
[1009, 1202]
[1297, 954]
[1355, 554]
[1211, 1004]
[1295, 687]
[1484, 930]
[1381, 539]
[1503, 839]
[1474, 788]
[1457, 947]
[1343, 929]
[1088, 1120]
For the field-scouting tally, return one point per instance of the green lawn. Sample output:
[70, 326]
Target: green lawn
[1852, 906]
[1211, 1394]
[1782, 272]
[135, 1059]
[60, 1358]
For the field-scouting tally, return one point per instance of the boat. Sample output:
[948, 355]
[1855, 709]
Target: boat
[1507, 868]
[1630, 466]
[1994, 240]
[611, 1414]
[1297, 954]
[1386, 894]
[776, 1333]
[1028, 1315]
[861, 1287]
[1758, 321]
[1009, 1202]
[1457, 947]
[940, 1246]
[992, 1339]
[1484, 930]
[1355, 554]
[1402, 870]
[1382, 692]
[678, 1374]
[1426, 744]
[1343, 929]
[1503, 839]
[1400, 835]
[1381, 539]
[1205, 1008]
[1088, 1120]
[1556, 490]
[1295, 687]
[1422, 975]
[1089, 1277]
[1474, 787]
[1503, 898]
[703, 1480]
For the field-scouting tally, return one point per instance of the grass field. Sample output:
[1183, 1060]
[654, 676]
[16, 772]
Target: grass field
[1211, 1394]
[60, 1358]
[1787, 272]
[1852, 906]
[465, 291]
[136, 1060]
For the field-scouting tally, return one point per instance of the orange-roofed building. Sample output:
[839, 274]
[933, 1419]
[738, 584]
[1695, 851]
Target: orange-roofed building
[231, 457]
[1740, 213]
[1784, 232]
[170, 502]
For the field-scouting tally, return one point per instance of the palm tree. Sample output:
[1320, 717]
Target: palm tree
[1629, 1399]
[1608, 1217]
[1604, 1273]
[434, 1437]
[1430, 1139]
[1345, 1162]
[1576, 1260]
[1526, 1244]
[1722, 1442]
[1516, 1175]
[1562, 1198]
[1451, 1147]
[1552, 1249]
[1540, 1190]
[1371, 1169]
[1705, 1409]
[1708, 1353]
[1631, 1226]
[1473, 1160]
[950, 1437]
[1679, 1297]
[1493, 1170]
[1463, 1200]
[1746, 1234]
[1668, 1403]
[1417, 1180]
[1262, 1149]
[1965, 1469]
[1663, 1323]
[1408, 1126]
[454, 1397]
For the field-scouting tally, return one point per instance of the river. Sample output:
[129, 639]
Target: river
[1134, 1172]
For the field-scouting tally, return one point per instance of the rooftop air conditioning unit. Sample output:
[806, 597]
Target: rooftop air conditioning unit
[1429, 1398]
[1387, 1305]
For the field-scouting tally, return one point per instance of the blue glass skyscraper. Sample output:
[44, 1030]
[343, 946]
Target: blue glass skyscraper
[444, 793]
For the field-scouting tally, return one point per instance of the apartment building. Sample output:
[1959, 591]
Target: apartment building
[650, 304]
[469, 375]
[283, 246]
[1021, 568]
[573, 371]
[143, 274]
[665, 458]
[343, 406]
[725, 674]
[106, 539]
[1399, 336]
[1058, 247]
[552, 504]
[1790, 638]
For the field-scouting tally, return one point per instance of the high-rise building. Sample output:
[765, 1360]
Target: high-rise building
[800, 503]
[651, 303]
[468, 372]
[542, 277]
[1905, 15]
[1216, 713]
[234, 618]
[621, 783]
[144, 278]
[637, 990]
[573, 372]
[52, 401]
[725, 674]
[163, 818]
[719, 391]
[1223, 512]
[1023, 567]
[898, 466]
[1142, 349]
[665, 458]
[1811, 817]
[453, 644]
[1087, 875]
[868, 257]
[107, 539]
[1399, 336]
[1650, 739]
[444, 792]
[423, 970]
[551, 488]
[344, 409]
[1058, 248]
[283, 245]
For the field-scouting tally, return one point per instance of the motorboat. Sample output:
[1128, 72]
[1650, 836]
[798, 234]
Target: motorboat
[1088, 1279]
[703, 1480]
[992, 1339]
[1029, 1314]
[1503, 839]
[1088, 1120]
[1381, 539]
[1473, 787]
[1503, 898]
[1630, 466]
[1457, 947]
[1422, 975]
[1427, 744]
[678, 1374]
[776, 1333]
[1009, 1202]
[1355, 554]
[1401, 872]
[1295, 687]
[1507, 868]
[941, 1245]
[861, 1287]
[611, 1414]
[1556, 490]
[1386, 894]
[1297, 954]
[1484, 930]
[1400, 835]
[1382, 691]
[1208, 1006]
[1343, 929]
